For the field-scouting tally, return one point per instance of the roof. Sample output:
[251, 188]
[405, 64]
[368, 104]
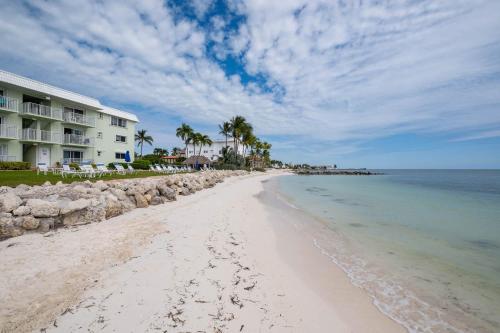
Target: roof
[119, 113]
[201, 160]
[170, 157]
[27, 83]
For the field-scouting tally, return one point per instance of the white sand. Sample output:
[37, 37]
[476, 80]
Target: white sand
[216, 261]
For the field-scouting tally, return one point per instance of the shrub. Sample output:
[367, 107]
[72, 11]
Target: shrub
[259, 169]
[15, 165]
[141, 164]
[74, 166]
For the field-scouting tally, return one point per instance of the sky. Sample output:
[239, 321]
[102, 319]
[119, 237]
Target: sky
[377, 84]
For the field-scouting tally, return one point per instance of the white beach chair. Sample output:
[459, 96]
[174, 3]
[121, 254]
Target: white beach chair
[119, 168]
[42, 167]
[88, 170]
[159, 168]
[103, 169]
[67, 170]
[130, 168]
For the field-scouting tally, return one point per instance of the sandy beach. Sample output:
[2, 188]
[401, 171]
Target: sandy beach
[220, 260]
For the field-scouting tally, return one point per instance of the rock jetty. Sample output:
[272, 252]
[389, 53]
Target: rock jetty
[344, 172]
[42, 208]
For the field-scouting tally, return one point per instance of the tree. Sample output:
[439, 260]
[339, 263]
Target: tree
[176, 151]
[195, 139]
[239, 126]
[185, 132]
[225, 129]
[160, 152]
[204, 140]
[141, 137]
[248, 140]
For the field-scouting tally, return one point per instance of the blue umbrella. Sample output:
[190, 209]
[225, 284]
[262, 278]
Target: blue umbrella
[127, 156]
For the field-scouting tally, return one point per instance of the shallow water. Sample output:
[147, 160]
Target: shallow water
[424, 243]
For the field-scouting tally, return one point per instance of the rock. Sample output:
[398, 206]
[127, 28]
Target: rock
[59, 183]
[140, 200]
[46, 224]
[42, 208]
[47, 183]
[157, 201]
[85, 216]
[22, 210]
[100, 185]
[167, 192]
[9, 201]
[29, 222]
[71, 206]
[148, 197]
[185, 191]
[112, 206]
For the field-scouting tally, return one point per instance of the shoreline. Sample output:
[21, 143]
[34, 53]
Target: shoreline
[219, 260]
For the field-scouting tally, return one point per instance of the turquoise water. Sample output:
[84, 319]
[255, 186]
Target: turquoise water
[424, 243]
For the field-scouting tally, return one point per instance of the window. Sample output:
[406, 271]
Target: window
[115, 121]
[99, 135]
[4, 149]
[70, 156]
[121, 138]
[1, 92]
[99, 153]
[101, 115]
[205, 152]
[120, 156]
[190, 151]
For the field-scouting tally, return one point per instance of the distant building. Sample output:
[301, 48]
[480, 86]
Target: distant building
[169, 159]
[212, 152]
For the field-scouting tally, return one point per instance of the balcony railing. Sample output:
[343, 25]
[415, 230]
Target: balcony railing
[76, 118]
[7, 158]
[8, 131]
[9, 104]
[31, 134]
[40, 110]
[74, 139]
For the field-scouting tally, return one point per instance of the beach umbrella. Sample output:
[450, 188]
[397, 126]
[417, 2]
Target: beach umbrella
[127, 157]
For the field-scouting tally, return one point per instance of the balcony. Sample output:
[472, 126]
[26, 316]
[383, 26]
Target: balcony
[41, 111]
[77, 140]
[79, 119]
[35, 135]
[9, 104]
[8, 131]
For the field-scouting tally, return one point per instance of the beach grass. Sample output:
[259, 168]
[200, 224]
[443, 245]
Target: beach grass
[29, 177]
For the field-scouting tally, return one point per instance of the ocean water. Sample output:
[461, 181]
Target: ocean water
[425, 244]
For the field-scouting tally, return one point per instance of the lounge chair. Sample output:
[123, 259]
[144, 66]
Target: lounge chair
[42, 167]
[67, 170]
[88, 170]
[103, 170]
[130, 168]
[159, 168]
[120, 169]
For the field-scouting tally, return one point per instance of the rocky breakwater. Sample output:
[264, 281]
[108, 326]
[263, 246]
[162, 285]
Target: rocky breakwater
[42, 208]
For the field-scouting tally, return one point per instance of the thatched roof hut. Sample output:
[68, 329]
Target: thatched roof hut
[200, 160]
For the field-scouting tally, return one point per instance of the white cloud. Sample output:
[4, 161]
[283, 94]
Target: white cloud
[349, 72]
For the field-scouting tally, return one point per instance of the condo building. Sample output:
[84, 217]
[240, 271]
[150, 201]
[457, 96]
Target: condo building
[40, 123]
[212, 152]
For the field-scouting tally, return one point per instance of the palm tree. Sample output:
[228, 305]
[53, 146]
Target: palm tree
[238, 126]
[184, 132]
[195, 139]
[160, 152]
[204, 140]
[142, 137]
[175, 151]
[248, 140]
[225, 129]
[266, 154]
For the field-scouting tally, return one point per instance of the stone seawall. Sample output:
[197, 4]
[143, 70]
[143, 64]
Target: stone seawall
[42, 208]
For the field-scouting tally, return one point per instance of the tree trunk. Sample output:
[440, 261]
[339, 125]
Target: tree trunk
[142, 144]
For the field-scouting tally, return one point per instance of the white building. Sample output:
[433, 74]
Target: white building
[214, 151]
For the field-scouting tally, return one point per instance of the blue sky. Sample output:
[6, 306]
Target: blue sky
[358, 83]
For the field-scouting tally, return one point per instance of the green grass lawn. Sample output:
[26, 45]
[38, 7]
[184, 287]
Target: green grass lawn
[28, 177]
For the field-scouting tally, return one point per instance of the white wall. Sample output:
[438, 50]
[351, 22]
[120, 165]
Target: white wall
[214, 151]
